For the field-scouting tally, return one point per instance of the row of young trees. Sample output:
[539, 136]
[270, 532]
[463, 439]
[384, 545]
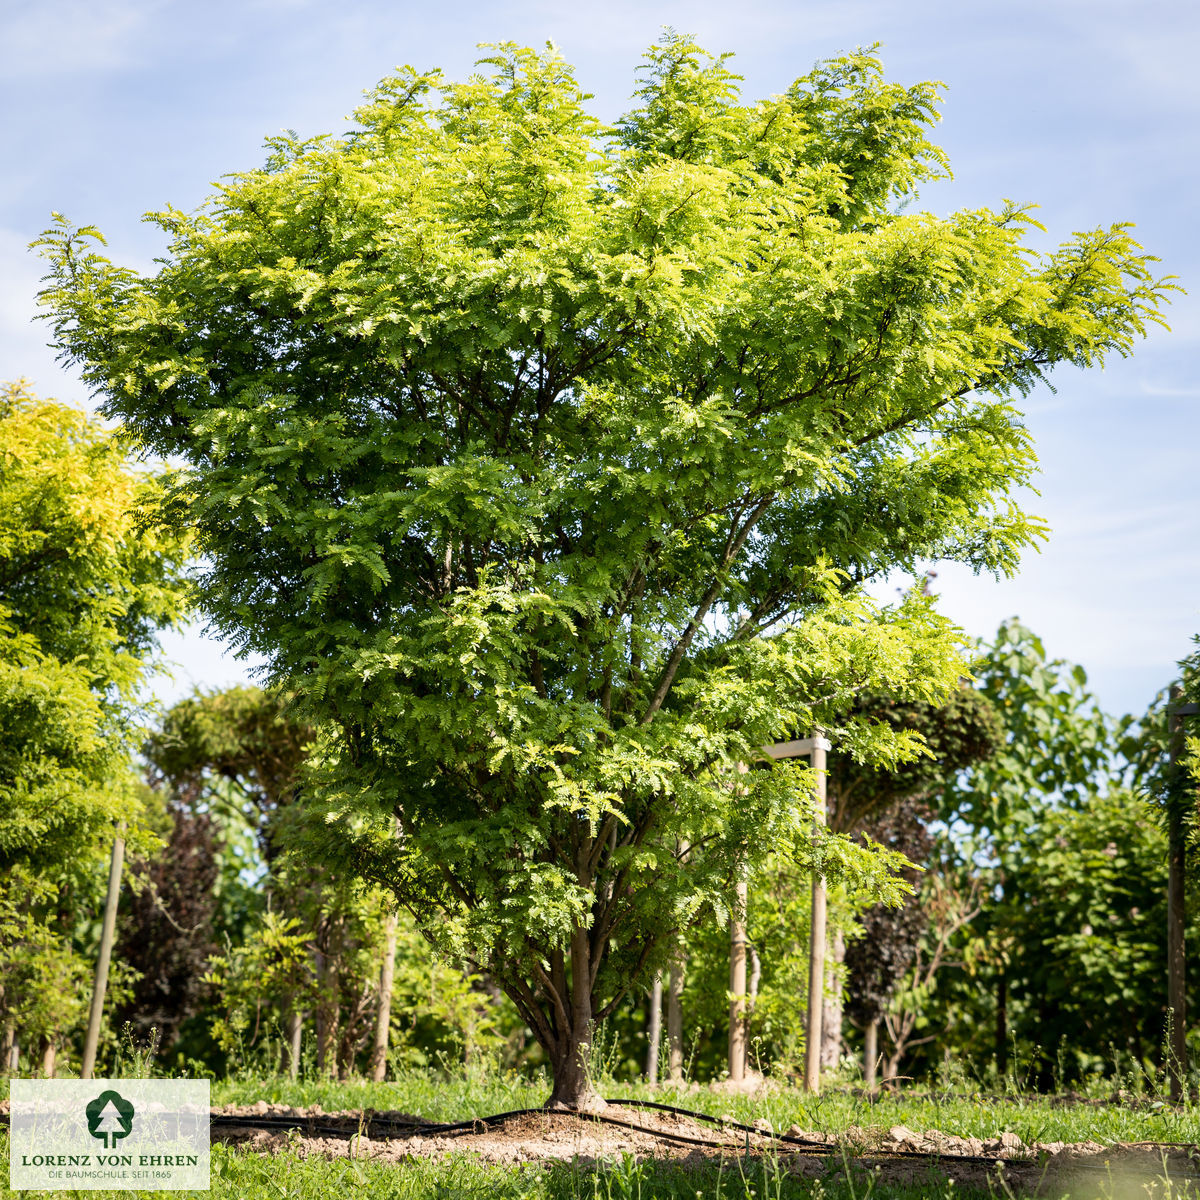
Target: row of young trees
[1034, 932]
[546, 465]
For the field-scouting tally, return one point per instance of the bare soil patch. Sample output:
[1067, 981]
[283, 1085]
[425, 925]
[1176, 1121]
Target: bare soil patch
[897, 1155]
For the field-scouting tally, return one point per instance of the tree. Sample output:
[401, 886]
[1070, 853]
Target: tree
[545, 462]
[892, 807]
[84, 586]
[166, 932]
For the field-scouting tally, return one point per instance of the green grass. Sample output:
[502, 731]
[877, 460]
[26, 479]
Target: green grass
[237, 1173]
[287, 1176]
[1031, 1117]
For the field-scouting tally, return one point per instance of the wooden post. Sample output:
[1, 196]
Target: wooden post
[870, 1054]
[654, 1031]
[383, 1018]
[737, 971]
[675, 1021]
[737, 984]
[1176, 911]
[816, 956]
[100, 982]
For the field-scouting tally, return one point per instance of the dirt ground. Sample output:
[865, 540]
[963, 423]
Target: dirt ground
[896, 1155]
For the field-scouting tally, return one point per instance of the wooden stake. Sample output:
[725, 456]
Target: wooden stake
[383, 1018]
[1176, 911]
[675, 1021]
[870, 1054]
[100, 983]
[654, 1031]
[816, 956]
[737, 984]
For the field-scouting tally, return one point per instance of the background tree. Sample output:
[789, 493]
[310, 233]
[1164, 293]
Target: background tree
[543, 462]
[892, 807]
[167, 927]
[84, 585]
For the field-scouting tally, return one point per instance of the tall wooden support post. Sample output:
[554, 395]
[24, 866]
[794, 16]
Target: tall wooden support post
[1176, 913]
[383, 1015]
[654, 1031]
[737, 983]
[816, 954]
[675, 1021]
[106, 940]
[870, 1054]
[737, 972]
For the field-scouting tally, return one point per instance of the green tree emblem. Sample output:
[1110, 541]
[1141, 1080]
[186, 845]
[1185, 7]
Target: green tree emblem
[109, 1117]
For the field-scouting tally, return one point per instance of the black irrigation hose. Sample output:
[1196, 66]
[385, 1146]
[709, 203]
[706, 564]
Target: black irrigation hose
[809, 1146]
[349, 1126]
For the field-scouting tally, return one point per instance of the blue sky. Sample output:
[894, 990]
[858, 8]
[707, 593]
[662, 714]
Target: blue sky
[1090, 108]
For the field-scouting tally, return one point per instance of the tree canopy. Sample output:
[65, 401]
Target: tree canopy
[545, 462]
[84, 588]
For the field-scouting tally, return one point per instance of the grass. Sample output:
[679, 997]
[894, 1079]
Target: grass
[1031, 1117]
[289, 1175]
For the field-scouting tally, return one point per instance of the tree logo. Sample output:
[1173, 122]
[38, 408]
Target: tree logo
[109, 1117]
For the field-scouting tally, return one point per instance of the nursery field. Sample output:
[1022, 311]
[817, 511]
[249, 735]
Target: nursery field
[276, 1137]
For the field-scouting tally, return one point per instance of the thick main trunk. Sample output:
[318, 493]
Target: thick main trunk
[570, 1055]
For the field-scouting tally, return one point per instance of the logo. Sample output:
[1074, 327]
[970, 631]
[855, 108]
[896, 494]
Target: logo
[109, 1117]
[136, 1135]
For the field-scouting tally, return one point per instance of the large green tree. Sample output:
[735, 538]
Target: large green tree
[544, 461]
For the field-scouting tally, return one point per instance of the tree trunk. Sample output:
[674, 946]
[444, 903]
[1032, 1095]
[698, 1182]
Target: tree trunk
[675, 1022]
[383, 1020]
[49, 1055]
[654, 1031]
[573, 1090]
[870, 1053]
[831, 1016]
[6, 1048]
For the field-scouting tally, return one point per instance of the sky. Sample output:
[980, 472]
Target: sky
[1089, 108]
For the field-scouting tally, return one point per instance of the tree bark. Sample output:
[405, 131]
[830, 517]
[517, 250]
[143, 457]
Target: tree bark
[6, 1048]
[675, 1022]
[383, 1022]
[654, 1031]
[49, 1055]
[573, 1090]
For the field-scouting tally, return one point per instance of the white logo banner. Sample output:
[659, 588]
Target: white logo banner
[123, 1134]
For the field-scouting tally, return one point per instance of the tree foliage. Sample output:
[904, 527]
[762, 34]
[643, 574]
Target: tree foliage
[544, 460]
[83, 589]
